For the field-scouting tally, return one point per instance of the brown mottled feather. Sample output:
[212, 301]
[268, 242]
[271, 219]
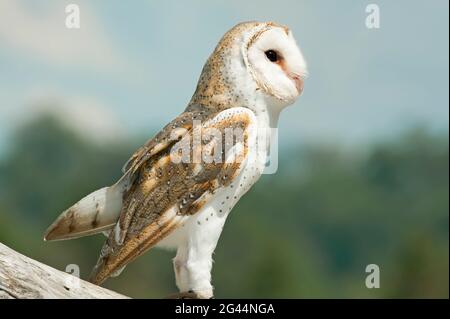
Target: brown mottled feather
[158, 184]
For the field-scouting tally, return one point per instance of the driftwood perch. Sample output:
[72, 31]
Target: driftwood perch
[24, 278]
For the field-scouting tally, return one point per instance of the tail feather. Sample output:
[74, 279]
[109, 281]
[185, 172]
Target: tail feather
[95, 213]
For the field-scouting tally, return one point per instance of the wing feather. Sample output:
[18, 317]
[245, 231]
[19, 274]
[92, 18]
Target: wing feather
[166, 191]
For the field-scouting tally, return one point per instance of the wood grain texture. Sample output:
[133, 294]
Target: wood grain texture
[24, 278]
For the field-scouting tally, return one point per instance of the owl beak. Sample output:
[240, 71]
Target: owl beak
[298, 83]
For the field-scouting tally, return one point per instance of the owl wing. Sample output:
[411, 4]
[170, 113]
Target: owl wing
[173, 177]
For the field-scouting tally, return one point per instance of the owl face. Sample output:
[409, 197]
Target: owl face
[276, 63]
[253, 59]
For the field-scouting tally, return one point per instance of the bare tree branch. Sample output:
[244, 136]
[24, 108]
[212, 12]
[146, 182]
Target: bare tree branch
[24, 278]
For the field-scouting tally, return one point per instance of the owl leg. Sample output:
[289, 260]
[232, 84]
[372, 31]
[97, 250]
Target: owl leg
[192, 275]
[198, 274]
[193, 261]
[178, 266]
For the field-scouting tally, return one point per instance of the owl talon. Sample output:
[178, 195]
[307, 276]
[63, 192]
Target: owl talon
[183, 295]
[187, 295]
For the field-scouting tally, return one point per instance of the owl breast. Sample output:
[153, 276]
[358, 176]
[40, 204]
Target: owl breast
[211, 218]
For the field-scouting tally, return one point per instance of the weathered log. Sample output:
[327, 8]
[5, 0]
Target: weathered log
[24, 278]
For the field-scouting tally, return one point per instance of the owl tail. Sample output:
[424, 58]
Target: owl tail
[95, 213]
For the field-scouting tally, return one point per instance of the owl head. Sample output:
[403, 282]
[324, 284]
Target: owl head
[253, 60]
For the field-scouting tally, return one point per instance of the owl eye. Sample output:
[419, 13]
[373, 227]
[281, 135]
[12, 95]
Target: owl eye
[271, 55]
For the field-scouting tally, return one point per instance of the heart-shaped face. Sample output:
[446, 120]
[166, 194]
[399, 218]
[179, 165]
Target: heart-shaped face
[276, 63]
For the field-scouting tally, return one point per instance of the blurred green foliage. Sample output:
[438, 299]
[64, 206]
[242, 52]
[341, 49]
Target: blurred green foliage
[307, 231]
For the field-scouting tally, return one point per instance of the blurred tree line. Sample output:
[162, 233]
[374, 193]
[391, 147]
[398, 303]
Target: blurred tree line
[307, 231]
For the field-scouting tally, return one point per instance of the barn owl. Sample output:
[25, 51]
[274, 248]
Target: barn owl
[255, 71]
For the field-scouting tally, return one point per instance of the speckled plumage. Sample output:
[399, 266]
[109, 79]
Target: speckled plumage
[183, 205]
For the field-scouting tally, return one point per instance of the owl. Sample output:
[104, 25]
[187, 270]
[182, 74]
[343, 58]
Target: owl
[179, 188]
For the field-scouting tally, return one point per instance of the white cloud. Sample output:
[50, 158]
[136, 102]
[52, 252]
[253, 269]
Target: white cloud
[38, 30]
[87, 116]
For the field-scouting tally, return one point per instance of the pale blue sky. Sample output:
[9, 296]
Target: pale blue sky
[135, 64]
